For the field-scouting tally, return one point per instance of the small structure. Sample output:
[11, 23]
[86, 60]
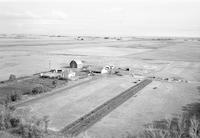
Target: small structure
[107, 69]
[68, 74]
[59, 74]
[76, 64]
[50, 75]
[104, 71]
[95, 69]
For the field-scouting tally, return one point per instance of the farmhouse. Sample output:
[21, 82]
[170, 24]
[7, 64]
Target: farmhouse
[76, 64]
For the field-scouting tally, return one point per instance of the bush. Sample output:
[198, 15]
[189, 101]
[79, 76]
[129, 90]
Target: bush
[29, 131]
[106, 37]
[38, 90]
[14, 122]
[181, 127]
[54, 83]
[15, 96]
[30, 127]
[4, 134]
[5, 117]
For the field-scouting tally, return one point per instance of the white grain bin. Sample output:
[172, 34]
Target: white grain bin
[106, 70]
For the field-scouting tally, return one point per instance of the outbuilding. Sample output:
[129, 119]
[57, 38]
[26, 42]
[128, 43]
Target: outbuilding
[68, 74]
[106, 70]
[76, 64]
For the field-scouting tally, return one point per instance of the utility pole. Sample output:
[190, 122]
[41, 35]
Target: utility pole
[49, 64]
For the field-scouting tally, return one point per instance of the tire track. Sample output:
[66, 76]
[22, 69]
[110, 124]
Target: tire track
[98, 113]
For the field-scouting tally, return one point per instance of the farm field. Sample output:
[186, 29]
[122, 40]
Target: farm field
[177, 58]
[65, 107]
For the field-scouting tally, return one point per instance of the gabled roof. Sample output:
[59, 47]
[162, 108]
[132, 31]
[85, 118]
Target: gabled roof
[77, 61]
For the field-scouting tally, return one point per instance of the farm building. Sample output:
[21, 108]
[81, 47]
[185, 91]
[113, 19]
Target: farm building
[68, 74]
[107, 69]
[50, 75]
[95, 69]
[64, 74]
[76, 64]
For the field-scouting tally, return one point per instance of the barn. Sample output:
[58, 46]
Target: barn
[76, 64]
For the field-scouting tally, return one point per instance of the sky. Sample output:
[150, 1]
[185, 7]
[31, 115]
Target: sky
[101, 17]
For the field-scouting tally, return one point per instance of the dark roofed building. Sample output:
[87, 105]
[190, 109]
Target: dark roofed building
[76, 64]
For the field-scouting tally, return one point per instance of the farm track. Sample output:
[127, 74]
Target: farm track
[95, 115]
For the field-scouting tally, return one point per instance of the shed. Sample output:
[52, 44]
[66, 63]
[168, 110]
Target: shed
[106, 69]
[68, 74]
[76, 64]
[95, 69]
[50, 75]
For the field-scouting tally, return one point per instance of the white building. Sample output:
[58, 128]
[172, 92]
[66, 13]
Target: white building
[106, 70]
[68, 74]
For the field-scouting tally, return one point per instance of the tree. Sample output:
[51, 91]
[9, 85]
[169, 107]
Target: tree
[38, 90]
[7, 119]
[12, 77]
[54, 83]
[15, 96]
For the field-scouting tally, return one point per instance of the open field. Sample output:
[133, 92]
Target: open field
[58, 52]
[149, 105]
[176, 57]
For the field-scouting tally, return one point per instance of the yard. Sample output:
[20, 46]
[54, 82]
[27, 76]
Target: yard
[27, 87]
